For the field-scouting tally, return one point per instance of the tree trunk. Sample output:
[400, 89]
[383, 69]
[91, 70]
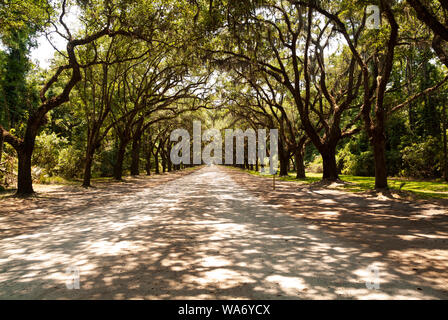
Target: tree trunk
[88, 168]
[379, 152]
[24, 153]
[163, 163]
[283, 166]
[118, 167]
[284, 160]
[445, 147]
[25, 181]
[168, 158]
[411, 116]
[148, 162]
[283, 157]
[329, 164]
[1, 145]
[300, 166]
[135, 156]
[156, 160]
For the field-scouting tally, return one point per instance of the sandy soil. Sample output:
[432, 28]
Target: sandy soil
[218, 233]
[52, 202]
[410, 233]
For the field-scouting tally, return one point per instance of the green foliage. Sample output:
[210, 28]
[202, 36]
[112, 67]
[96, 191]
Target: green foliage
[356, 157]
[55, 156]
[104, 161]
[356, 164]
[421, 159]
[70, 160]
[316, 166]
[182, 34]
[46, 152]
[20, 23]
[17, 93]
[27, 15]
[8, 166]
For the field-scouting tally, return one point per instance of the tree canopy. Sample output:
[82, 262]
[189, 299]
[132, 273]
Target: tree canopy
[346, 97]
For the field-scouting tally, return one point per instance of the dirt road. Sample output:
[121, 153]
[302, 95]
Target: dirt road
[201, 236]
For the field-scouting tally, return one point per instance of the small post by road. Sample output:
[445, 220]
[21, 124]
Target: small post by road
[273, 181]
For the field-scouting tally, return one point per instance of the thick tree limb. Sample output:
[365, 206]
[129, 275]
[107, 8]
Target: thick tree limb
[427, 17]
[10, 138]
[420, 94]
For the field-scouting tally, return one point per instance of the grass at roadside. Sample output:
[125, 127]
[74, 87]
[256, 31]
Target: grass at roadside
[422, 189]
[59, 181]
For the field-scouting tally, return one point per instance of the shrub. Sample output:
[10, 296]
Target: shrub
[46, 152]
[352, 161]
[70, 162]
[105, 160]
[421, 160]
[8, 166]
[316, 166]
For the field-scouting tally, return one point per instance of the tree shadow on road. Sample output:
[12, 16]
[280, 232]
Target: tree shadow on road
[206, 237]
[53, 202]
[414, 234]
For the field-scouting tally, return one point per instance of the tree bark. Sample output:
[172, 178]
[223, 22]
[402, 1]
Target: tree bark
[135, 155]
[445, 147]
[168, 159]
[88, 168]
[283, 165]
[300, 166]
[163, 162]
[426, 16]
[156, 161]
[118, 167]
[25, 181]
[283, 156]
[1, 145]
[379, 151]
[148, 162]
[329, 164]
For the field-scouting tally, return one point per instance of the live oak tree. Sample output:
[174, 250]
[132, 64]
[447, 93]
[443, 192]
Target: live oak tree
[103, 19]
[434, 14]
[155, 97]
[24, 145]
[293, 139]
[282, 39]
[134, 70]
[264, 103]
[19, 25]
[375, 56]
[98, 91]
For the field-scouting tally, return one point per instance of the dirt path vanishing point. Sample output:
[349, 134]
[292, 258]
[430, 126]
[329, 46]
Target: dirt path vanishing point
[210, 235]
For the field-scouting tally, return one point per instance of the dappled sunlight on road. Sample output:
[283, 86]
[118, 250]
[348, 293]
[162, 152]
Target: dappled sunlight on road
[409, 233]
[202, 236]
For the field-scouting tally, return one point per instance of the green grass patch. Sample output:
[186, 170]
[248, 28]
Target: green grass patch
[423, 189]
